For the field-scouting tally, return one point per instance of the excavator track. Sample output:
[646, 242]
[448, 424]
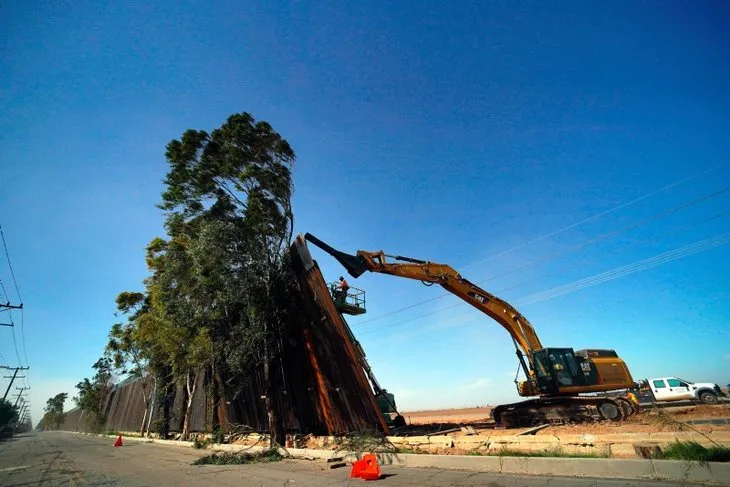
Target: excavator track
[562, 410]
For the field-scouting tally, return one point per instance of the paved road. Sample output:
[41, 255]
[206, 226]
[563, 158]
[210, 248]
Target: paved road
[56, 458]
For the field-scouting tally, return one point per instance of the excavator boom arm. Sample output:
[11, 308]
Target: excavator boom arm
[499, 310]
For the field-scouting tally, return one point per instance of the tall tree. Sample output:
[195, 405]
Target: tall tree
[181, 338]
[130, 353]
[228, 198]
[53, 416]
[92, 394]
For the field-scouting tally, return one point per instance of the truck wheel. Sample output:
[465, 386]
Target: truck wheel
[609, 411]
[708, 397]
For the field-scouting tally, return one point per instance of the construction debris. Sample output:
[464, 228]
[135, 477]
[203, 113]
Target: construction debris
[443, 432]
[533, 430]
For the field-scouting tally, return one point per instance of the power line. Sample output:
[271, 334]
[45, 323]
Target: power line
[22, 335]
[5, 292]
[590, 281]
[617, 273]
[604, 236]
[627, 247]
[597, 215]
[579, 246]
[7, 256]
[15, 341]
[622, 271]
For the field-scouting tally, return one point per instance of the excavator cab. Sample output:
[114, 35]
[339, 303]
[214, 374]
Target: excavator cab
[351, 302]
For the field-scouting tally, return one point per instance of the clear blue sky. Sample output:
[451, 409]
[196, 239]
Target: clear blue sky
[446, 131]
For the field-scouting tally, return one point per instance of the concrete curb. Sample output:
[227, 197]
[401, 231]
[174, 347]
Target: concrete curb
[667, 470]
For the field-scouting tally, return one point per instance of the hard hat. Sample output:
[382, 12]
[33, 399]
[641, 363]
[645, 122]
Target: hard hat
[342, 278]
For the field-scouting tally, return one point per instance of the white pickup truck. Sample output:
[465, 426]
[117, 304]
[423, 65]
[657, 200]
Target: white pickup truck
[661, 389]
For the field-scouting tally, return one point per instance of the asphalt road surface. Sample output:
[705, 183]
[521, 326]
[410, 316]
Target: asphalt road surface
[56, 458]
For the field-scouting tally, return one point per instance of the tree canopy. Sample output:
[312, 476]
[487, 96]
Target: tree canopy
[8, 416]
[212, 302]
[53, 416]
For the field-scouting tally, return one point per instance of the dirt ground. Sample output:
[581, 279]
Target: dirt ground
[649, 420]
[461, 416]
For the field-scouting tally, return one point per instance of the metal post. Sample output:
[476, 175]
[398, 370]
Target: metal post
[9, 385]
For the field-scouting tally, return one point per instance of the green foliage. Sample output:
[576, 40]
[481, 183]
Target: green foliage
[693, 451]
[130, 301]
[219, 287]
[221, 275]
[411, 451]
[200, 442]
[8, 417]
[243, 166]
[219, 435]
[552, 452]
[365, 441]
[92, 394]
[227, 458]
[53, 416]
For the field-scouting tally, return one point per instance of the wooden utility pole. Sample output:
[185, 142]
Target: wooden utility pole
[20, 394]
[15, 374]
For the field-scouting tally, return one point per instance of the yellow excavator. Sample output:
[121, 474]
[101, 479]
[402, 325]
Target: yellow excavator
[565, 384]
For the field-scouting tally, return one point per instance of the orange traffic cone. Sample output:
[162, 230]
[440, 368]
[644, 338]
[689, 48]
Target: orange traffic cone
[119, 441]
[367, 468]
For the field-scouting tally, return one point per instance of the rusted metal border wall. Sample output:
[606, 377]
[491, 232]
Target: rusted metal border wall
[345, 398]
[323, 388]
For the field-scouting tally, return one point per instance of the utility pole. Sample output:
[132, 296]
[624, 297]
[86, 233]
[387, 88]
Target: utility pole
[21, 389]
[12, 379]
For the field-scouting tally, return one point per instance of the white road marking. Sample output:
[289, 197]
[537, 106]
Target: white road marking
[10, 469]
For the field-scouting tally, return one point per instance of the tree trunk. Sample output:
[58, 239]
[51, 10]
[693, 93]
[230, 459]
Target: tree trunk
[169, 390]
[144, 418]
[190, 386]
[152, 406]
[215, 400]
[276, 430]
[146, 404]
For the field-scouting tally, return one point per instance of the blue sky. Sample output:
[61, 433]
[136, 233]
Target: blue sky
[445, 132]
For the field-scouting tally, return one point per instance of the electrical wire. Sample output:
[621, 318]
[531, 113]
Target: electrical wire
[571, 249]
[6, 298]
[596, 279]
[617, 273]
[622, 271]
[7, 256]
[15, 341]
[612, 233]
[22, 335]
[597, 215]
[623, 249]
